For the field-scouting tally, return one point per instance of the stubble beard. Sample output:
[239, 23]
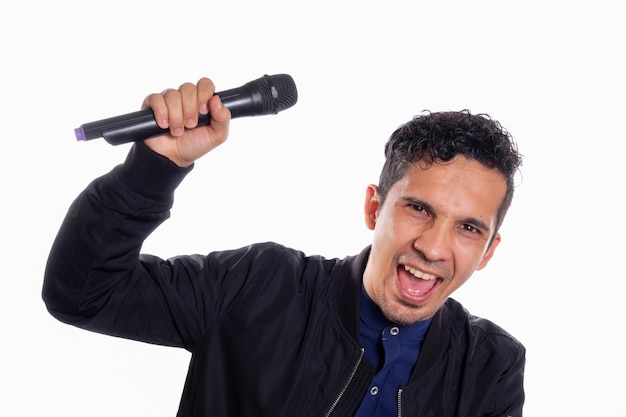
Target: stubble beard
[400, 312]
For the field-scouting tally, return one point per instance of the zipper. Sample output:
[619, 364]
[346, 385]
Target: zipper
[400, 402]
[347, 384]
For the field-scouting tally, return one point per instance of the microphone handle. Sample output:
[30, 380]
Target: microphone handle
[139, 125]
[126, 128]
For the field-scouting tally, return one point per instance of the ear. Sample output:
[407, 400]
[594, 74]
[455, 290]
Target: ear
[372, 203]
[490, 250]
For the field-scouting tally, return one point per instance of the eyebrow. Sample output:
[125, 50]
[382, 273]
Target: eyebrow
[469, 220]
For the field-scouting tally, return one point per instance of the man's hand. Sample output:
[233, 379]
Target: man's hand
[178, 110]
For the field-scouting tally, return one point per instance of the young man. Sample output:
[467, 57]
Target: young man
[273, 332]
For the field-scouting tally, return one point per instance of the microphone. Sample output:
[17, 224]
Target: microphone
[266, 95]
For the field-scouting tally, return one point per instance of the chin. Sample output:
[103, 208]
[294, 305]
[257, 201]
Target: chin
[404, 314]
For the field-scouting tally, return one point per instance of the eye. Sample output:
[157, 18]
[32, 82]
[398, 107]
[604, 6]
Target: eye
[469, 228]
[416, 210]
[419, 209]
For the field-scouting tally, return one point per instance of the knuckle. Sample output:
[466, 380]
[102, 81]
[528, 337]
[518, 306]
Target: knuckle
[187, 87]
[170, 94]
[205, 82]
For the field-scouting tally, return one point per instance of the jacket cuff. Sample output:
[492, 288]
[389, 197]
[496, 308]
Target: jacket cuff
[150, 174]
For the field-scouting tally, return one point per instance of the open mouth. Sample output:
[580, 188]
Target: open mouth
[416, 286]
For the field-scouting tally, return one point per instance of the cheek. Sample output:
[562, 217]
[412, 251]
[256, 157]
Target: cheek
[385, 234]
[397, 229]
[469, 260]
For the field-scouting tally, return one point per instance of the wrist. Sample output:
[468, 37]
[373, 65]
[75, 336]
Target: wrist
[152, 174]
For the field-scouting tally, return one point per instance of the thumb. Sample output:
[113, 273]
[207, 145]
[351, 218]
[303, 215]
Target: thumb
[220, 119]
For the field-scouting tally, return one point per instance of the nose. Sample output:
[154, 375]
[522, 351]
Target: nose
[435, 242]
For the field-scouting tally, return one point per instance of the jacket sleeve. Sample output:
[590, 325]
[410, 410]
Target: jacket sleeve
[95, 277]
[510, 385]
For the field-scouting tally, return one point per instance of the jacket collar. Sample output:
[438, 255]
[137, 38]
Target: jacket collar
[349, 286]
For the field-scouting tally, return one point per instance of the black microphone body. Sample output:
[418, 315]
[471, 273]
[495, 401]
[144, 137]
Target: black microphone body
[266, 95]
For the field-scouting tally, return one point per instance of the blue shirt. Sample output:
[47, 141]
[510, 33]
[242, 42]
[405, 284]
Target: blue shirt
[393, 350]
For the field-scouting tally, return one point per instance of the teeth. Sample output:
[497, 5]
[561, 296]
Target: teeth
[419, 274]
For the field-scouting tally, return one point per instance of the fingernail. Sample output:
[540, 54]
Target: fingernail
[204, 109]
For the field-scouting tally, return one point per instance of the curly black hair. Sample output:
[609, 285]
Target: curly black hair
[441, 136]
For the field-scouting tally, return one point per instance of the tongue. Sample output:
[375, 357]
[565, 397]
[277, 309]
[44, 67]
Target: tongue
[413, 285]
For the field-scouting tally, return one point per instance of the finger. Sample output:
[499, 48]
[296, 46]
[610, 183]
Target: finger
[175, 115]
[156, 102]
[220, 118]
[206, 89]
[189, 102]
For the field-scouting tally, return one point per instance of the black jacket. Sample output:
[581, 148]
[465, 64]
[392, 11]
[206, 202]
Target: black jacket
[272, 332]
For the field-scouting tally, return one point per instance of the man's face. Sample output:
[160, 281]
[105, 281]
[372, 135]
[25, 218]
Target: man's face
[430, 235]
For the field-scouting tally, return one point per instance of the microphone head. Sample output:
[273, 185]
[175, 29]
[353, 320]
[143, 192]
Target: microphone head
[278, 92]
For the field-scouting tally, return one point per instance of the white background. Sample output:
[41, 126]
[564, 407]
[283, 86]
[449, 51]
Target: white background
[552, 72]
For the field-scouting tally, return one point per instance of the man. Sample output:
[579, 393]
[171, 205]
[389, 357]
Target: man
[273, 332]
